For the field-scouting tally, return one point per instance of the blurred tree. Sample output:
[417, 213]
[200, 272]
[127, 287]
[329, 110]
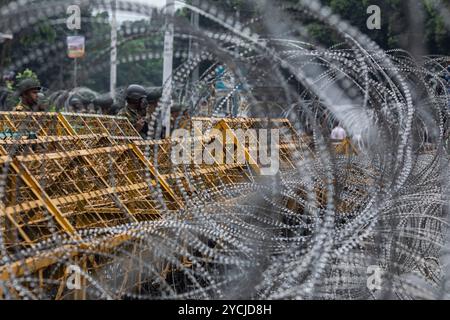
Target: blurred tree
[393, 21]
[147, 66]
[437, 34]
[396, 26]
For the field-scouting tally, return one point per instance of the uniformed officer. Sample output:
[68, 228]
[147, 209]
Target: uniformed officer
[153, 97]
[104, 105]
[28, 90]
[179, 116]
[136, 108]
[76, 104]
[43, 104]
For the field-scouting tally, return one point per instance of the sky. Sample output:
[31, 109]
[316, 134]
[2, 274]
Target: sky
[126, 17]
[159, 3]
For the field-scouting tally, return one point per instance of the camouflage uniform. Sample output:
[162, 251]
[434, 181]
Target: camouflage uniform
[135, 97]
[133, 116]
[22, 108]
[130, 114]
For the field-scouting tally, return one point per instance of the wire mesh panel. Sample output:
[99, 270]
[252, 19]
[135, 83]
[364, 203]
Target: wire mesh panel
[57, 185]
[120, 127]
[18, 124]
[256, 138]
[83, 124]
[52, 144]
[32, 124]
[158, 153]
[6, 125]
[95, 187]
[83, 173]
[193, 176]
[24, 217]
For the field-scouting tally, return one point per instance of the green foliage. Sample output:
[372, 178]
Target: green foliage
[142, 70]
[320, 34]
[437, 35]
[52, 108]
[26, 74]
[395, 29]
[355, 12]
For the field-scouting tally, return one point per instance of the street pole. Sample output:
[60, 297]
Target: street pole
[193, 45]
[234, 100]
[168, 62]
[75, 72]
[113, 75]
[3, 38]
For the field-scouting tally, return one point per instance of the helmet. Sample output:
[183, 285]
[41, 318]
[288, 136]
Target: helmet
[135, 92]
[104, 102]
[178, 108]
[154, 94]
[42, 98]
[86, 95]
[76, 100]
[28, 84]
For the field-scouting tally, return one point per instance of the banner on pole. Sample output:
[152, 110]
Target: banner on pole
[76, 46]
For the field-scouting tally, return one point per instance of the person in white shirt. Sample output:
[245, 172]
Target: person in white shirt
[338, 133]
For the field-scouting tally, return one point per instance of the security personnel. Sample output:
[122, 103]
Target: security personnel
[153, 97]
[87, 96]
[76, 104]
[104, 105]
[179, 116]
[136, 108]
[28, 90]
[43, 103]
